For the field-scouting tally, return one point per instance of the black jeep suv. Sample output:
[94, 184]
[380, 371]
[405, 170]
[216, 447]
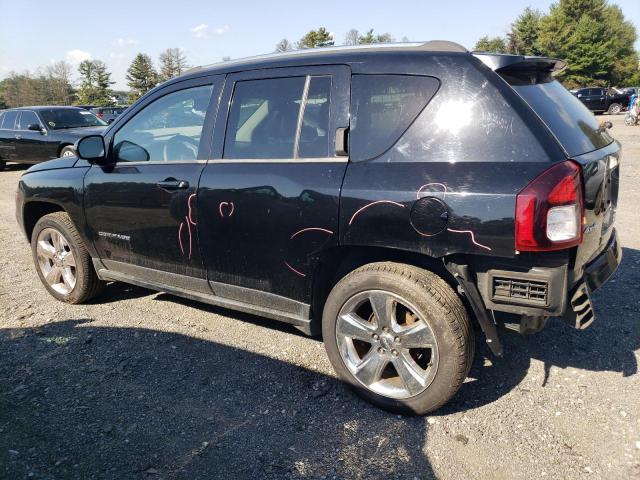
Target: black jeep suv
[383, 196]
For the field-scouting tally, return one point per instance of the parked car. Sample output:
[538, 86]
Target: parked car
[108, 114]
[36, 134]
[631, 91]
[599, 99]
[384, 196]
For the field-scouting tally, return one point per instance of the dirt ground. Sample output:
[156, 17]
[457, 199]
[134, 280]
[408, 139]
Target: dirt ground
[144, 385]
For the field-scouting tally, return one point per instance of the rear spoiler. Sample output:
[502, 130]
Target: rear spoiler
[507, 63]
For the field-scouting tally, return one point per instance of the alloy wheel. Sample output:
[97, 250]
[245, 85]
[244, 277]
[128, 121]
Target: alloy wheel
[56, 261]
[386, 345]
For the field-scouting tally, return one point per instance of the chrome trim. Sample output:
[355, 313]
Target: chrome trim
[281, 160]
[161, 162]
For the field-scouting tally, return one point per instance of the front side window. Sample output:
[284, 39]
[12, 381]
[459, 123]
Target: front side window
[168, 129]
[28, 118]
[382, 108]
[9, 120]
[63, 118]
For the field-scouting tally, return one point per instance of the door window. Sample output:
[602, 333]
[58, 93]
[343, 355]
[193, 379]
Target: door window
[168, 129]
[28, 118]
[9, 120]
[279, 118]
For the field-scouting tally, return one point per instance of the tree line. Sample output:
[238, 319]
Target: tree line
[593, 37]
[54, 85]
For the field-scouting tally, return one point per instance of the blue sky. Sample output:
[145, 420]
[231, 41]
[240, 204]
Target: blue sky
[35, 33]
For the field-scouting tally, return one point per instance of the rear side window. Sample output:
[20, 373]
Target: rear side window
[382, 108]
[9, 120]
[569, 120]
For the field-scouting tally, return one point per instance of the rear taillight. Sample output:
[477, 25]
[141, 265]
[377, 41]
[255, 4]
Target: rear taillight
[549, 210]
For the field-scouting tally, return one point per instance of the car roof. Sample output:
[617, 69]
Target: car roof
[323, 55]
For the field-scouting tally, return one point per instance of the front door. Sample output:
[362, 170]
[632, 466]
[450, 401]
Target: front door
[269, 197]
[141, 206]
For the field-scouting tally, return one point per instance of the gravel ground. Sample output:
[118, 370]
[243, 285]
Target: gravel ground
[144, 385]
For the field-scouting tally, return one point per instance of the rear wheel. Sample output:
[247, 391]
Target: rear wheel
[3, 164]
[399, 335]
[614, 109]
[62, 261]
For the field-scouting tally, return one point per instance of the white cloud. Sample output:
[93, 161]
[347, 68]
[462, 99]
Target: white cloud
[75, 57]
[125, 42]
[205, 31]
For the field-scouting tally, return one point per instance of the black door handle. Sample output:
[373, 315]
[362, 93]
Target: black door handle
[173, 184]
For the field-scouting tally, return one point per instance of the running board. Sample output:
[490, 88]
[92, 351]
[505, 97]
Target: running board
[300, 322]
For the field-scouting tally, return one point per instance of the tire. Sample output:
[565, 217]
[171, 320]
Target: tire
[68, 151]
[629, 120]
[70, 284]
[3, 164]
[443, 367]
[614, 109]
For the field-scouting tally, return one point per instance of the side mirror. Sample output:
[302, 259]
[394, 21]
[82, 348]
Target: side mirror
[91, 148]
[35, 127]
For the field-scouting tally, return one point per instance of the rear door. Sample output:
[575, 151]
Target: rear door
[141, 207]
[8, 136]
[269, 197]
[31, 145]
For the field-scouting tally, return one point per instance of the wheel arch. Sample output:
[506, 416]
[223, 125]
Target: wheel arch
[34, 211]
[337, 262]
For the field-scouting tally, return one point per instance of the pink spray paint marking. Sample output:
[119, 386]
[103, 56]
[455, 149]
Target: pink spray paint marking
[372, 204]
[294, 270]
[473, 238]
[444, 188]
[189, 231]
[310, 229]
[191, 197]
[221, 208]
[180, 237]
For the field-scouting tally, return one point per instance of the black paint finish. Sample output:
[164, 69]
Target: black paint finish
[446, 188]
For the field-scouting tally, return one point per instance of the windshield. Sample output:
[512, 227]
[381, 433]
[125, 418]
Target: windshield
[571, 122]
[61, 118]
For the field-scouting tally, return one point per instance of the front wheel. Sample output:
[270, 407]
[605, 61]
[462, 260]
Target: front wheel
[62, 261]
[399, 335]
[614, 109]
[67, 151]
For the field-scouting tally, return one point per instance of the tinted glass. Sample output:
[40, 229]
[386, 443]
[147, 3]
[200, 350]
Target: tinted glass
[570, 121]
[28, 118]
[167, 129]
[9, 120]
[314, 132]
[382, 108]
[61, 118]
[263, 118]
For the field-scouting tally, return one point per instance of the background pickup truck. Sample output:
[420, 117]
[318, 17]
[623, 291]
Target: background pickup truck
[599, 99]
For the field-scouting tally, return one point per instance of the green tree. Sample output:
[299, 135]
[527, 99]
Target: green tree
[141, 76]
[523, 37]
[95, 83]
[284, 45]
[369, 37]
[494, 45]
[173, 62]
[316, 38]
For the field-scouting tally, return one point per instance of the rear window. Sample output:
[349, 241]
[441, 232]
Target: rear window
[9, 120]
[382, 108]
[569, 120]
